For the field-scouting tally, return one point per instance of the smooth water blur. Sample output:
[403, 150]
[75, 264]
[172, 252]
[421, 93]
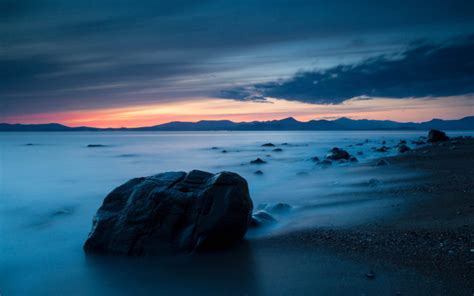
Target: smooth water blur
[51, 184]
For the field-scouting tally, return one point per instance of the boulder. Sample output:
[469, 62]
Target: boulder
[437, 136]
[173, 211]
[268, 145]
[338, 154]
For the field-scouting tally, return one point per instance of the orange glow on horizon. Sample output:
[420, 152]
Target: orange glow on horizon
[218, 109]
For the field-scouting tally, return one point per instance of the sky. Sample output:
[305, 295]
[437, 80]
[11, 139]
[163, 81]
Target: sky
[138, 63]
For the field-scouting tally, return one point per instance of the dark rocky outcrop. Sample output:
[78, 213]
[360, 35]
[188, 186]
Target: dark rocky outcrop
[268, 145]
[173, 211]
[96, 146]
[338, 154]
[437, 136]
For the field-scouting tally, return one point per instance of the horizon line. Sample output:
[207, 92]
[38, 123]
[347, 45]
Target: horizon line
[237, 122]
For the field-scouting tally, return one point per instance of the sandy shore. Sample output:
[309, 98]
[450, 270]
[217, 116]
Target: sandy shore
[431, 228]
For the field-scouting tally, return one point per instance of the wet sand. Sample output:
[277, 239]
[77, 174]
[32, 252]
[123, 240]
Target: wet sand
[429, 230]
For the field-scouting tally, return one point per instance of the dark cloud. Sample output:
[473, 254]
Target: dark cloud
[420, 71]
[62, 55]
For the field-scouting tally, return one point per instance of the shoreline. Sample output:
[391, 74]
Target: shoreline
[431, 233]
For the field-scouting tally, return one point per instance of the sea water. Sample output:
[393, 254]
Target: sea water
[52, 183]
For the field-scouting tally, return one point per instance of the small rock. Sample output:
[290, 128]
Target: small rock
[262, 218]
[402, 148]
[353, 159]
[360, 153]
[337, 154]
[268, 145]
[381, 162]
[224, 151]
[370, 274]
[215, 148]
[325, 162]
[258, 161]
[382, 149]
[95, 146]
[374, 182]
[402, 142]
[315, 159]
[277, 150]
[279, 208]
[259, 172]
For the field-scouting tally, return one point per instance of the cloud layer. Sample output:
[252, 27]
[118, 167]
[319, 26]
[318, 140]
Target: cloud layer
[422, 70]
[59, 55]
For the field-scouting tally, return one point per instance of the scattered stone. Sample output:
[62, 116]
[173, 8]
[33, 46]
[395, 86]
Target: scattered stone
[224, 151]
[277, 150]
[315, 159]
[373, 182]
[172, 211]
[285, 144]
[258, 161]
[62, 212]
[262, 218]
[402, 142]
[403, 148]
[382, 149]
[384, 142]
[353, 159]
[96, 146]
[370, 274]
[29, 144]
[337, 154]
[215, 148]
[278, 208]
[259, 172]
[418, 142]
[381, 162]
[268, 145]
[325, 162]
[437, 136]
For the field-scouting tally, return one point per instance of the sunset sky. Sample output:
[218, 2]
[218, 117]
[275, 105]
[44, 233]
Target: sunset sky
[138, 63]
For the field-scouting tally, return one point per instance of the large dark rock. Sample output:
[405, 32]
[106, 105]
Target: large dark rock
[436, 136]
[173, 211]
[338, 154]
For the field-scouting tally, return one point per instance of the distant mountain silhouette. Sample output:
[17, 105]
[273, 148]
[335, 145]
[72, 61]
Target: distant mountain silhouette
[466, 123]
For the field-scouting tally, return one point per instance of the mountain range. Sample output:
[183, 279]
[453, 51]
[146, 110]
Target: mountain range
[466, 123]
